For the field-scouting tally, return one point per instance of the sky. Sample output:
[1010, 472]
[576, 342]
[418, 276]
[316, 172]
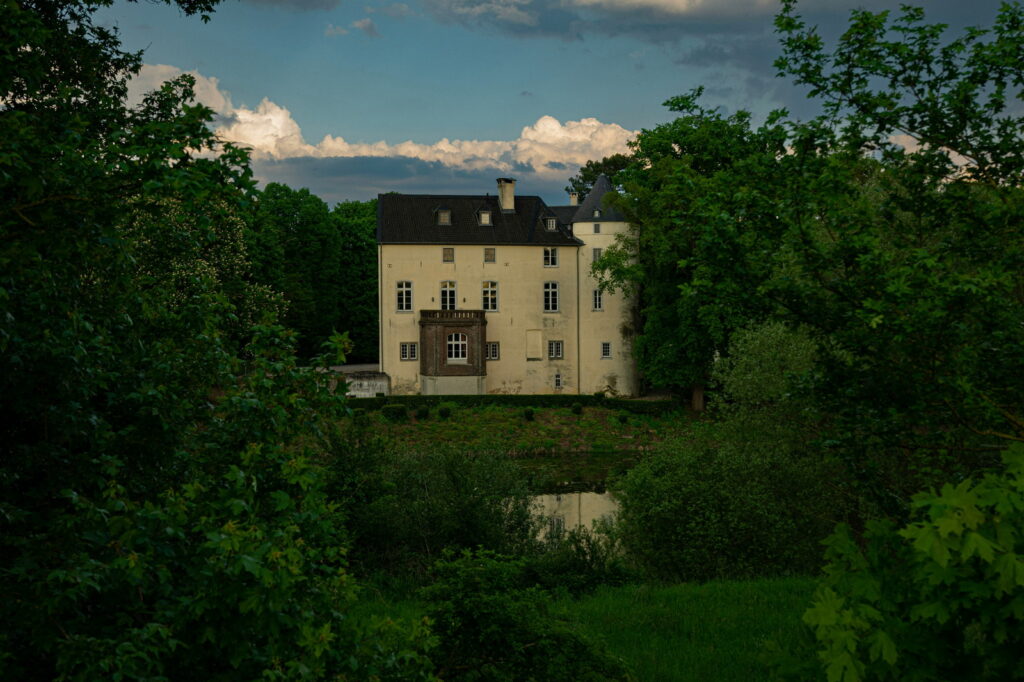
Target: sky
[351, 98]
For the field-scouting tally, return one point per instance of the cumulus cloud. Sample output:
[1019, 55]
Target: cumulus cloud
[207, 89]
[366, 26]
[333, 30]
[545, 149]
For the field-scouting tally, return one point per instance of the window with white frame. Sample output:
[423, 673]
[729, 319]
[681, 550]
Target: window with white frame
[408, 351]
[448, 295]
[558, 381]
[448, 254]
[457, 347]
[597, 228]
[490, 254]
[485, 217]
[606, 349]
[598, 299]
[597, 254]
[550, 257]
[490, 295]
[550, 224]
[403, 291]
[492, 350]
[597, 213]
[551, 297]
[444, 217]
[554, 349]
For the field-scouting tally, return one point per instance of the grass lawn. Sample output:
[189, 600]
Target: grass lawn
[713, 632]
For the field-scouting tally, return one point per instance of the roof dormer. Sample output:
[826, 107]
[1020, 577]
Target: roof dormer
[442, 216]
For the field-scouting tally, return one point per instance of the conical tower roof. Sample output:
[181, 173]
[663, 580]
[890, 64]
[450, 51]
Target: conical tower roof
[595, 202]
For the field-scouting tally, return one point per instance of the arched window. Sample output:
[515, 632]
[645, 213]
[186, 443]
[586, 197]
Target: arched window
[457, 347]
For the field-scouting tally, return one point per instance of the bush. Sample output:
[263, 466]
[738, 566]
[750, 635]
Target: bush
[405, 508]
[701, 512]
[649, 407]
[445, 410]
[938, 599]
[579, 560]
[623, 418]
[492, 624]
[395, 413]
[577, 408]
[422, 412]
[528, 414]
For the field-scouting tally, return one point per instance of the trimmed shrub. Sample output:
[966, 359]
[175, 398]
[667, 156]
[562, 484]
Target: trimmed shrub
[648, 407]
[623, 418]
[577, 408]
[422, 412]
[444, 411]
[493, 624]
[395, 413]
[528, 414]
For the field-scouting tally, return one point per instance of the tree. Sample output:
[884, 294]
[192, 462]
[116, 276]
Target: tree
[592, 170]
[162, 510]
[357, 224]
[904, 264]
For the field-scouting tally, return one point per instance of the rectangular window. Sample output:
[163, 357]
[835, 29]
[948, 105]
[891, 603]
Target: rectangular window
[597, 228]
[485, 217]
[606, 349]
[558, 381]
[492, 350]
[448, 255]
[444, 217]
[489, 254]
[549, 223]
[448, 295]
[597, 254]
[490, 296]
[598, 299]
[457, 345]
[550, 257]
[408, 351]
[404, 295]
[554, 349]
[551, 297]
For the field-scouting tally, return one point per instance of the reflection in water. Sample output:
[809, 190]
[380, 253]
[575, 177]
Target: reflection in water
[566, 511]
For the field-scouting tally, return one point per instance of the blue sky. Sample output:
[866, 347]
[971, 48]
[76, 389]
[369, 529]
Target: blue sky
[354, 97]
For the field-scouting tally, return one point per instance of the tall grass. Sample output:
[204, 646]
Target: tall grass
[714, 632]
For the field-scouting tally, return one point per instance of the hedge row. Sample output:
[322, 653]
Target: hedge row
[652, 407]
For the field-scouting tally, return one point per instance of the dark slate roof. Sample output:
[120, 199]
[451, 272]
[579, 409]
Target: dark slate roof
[564, 213]
[411, 219]
[595, 199]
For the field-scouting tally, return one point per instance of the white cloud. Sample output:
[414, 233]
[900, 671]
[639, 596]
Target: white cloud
[333, 30]
[207, 89]
[548, 146]
[366, 26]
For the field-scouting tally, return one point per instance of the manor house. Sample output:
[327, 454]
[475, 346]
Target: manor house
[493, 294]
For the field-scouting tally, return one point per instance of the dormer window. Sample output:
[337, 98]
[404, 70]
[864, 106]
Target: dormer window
[485, 217]
[597, 213]
[444, 216]
[550, 224]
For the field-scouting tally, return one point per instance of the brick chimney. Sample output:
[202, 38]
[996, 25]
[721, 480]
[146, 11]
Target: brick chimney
[507, 195]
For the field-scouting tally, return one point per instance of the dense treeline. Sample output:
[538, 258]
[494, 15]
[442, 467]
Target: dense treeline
[323, 262]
